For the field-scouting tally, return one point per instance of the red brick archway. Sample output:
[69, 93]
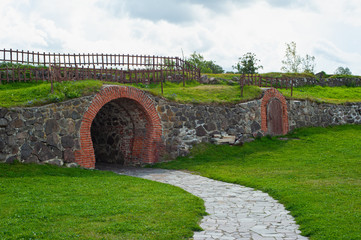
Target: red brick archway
[150, 144]
[268, 96]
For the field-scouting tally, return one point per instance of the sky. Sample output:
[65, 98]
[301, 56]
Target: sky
[220, 30]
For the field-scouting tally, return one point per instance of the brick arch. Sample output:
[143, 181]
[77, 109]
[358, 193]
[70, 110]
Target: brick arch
[268, 96]
[85, 156]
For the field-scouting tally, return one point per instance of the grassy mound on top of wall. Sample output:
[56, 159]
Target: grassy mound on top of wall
[33, 94]
[194, 92]
[335, 95]
[38, 93]
[315, 173]
[49, 202]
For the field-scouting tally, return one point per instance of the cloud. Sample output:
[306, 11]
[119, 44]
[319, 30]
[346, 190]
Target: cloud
[222, 31]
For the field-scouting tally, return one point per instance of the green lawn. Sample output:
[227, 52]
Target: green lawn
[325, 94]
[38, 93]
[197, 93]
[48, 202]
[30, 94]
[316, 174]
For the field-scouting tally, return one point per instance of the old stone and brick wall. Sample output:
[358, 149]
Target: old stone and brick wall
[125, 125]
[42, 134]
[331, 82]
[307, 113]
[185, 125]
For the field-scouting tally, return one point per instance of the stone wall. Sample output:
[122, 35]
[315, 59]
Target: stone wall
[42, 134]
[297, 82]
[331, 82]
[185, 125]
[122, 124]
[308, 113]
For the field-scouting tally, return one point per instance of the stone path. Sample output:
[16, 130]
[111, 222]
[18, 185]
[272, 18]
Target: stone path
[235, 212]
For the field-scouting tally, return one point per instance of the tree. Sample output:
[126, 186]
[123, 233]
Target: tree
[343, 71]
[214, 67]
[247, 64]
[294, 63]
[308, 64]
[205, 66]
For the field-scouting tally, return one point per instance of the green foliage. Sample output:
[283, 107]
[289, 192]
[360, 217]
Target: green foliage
[205, 66]
[315, 174]
[19, 65]
[247, 64]
[325, 94]
[293, 63]
[38, 93]
[48, 202]
[308, 64]
[343, 71]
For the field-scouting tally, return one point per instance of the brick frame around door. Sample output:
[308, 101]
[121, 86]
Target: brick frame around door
[85, 156]
[267, 97]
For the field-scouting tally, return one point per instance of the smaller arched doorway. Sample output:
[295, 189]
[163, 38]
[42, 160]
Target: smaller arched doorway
[274, 117]
[120, 126]
[274, 113]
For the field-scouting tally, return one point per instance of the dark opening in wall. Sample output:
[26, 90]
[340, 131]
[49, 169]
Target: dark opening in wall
[119, 131]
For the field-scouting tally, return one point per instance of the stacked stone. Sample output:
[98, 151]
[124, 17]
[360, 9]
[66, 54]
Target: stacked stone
[307, 113]
[47, 134]
[51, 133]
[185, 124]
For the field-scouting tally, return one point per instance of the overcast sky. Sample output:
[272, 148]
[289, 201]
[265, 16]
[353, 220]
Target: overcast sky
[220, 30]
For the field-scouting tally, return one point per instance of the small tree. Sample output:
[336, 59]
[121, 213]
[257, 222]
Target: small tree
[214, 67]
[247, 64]
[308, 64]
[343, 71]
[292, 61]
[205, 66]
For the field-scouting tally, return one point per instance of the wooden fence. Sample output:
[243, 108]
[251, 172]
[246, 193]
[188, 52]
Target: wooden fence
[22, 65]
[258, 80]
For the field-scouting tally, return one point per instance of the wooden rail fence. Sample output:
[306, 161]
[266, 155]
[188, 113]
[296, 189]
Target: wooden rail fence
[261, 81]
[25, 66]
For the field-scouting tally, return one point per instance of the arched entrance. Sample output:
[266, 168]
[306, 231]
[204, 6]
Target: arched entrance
[274, 117]
[274, 113]
[120, 126]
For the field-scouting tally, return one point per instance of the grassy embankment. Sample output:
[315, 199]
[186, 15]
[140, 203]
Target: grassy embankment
[32, 94]
[48, 202]
[316, 174]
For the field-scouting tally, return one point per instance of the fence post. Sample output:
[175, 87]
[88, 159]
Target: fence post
[241, 82]
[51, 80]
[291, 87]
[161, 80]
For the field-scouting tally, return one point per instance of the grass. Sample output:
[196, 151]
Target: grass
[196, 93]
[38, 93]
[316, 174]
[48, 202]
[335, 95]
[229, 76]
[32, 94]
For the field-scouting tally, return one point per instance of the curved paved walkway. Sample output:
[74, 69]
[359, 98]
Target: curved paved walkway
[235, 212]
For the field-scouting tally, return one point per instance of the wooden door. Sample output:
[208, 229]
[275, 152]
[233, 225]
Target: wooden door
[274, 117]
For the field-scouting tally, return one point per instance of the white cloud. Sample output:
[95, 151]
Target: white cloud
[220, 30]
